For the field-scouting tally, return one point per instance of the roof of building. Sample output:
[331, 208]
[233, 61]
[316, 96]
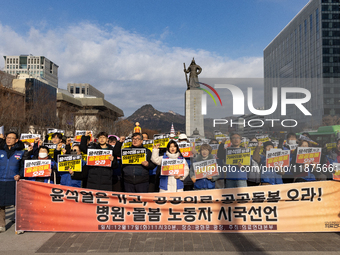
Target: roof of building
[88, 101]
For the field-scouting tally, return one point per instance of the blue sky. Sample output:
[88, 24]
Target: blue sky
[130, 46]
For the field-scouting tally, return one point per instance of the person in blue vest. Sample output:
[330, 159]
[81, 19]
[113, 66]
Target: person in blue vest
[204, 183]
[235, 176]
[65, 177]
[11, 169]
[302, 172]
[170, 183]
[268, 176]
[42, 155]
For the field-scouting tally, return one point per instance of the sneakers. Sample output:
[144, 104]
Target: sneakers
[2, 229]
[19, 232]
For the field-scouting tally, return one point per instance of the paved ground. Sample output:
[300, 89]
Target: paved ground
[166, 243]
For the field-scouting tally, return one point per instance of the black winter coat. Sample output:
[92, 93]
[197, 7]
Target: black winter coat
[98, 177]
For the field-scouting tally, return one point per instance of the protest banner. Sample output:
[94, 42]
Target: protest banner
[148, 144]
[28, 138]
[98, 157]
[214, 150]
[84, 156]
[78, 134]
[308, 155]
[238, 155]
[244, 142]
[227, 143]
[163, 140]
[127, 143]
[198, 146]
[205, 141]
[219, 135]
[173, 167]
[51, 131]
[293, 147]
[185, 149]
[296, 207]
[252, 146]
[133, 156]
[277, 157]
[336, 171]
[306, 138]
[262, 138]
[37, 168]
[52, 147]
[205, 169]
[330, 146]
[66, 162]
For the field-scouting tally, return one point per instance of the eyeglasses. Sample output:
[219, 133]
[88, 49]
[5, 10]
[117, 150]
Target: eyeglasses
[136, 139]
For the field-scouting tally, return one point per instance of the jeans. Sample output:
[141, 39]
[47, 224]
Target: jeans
[235, 183]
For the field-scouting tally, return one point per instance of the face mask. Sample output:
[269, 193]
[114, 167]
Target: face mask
[43, 155]
[291, 142]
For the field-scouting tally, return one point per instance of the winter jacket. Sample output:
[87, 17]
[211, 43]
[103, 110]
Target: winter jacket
[11, 164]
[132, 173]
[203, 183]
[98, 177]
[169, 183]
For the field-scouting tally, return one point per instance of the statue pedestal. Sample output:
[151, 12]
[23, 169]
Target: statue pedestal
[193, 112]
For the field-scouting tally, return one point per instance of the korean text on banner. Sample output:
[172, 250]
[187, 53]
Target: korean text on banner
[37, 168]
[277, 158]
[133, 156]
[185, 149]
[308, 155]
[148, 144]
[205, 169]
[78, 134]
[238, 155]
[163, 140]
[173, 167]
[97, 157]
[66, 162]
[296, 207]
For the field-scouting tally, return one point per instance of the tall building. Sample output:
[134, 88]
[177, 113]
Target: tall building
[306, 54]
[35, 66]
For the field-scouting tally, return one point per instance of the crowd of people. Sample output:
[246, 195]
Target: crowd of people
[147, 176]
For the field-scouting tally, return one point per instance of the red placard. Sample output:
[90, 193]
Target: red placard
[173, 167]
[43, 170]
[98, 157]
[205, 169]
[308, 155]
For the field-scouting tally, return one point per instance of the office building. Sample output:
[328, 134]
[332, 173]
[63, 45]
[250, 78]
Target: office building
[306, 54]
[38, 67]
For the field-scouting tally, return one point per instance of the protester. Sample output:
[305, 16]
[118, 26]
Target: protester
[172, 183]
[65, 177]
[188, 184]
[42, 155]
[100, 177]
[145, 136]
[302, 172]
[268, 176]
[136, 176]
[112, 141]
[235, 176]
[11, 170]
[254, 175]
[204, 183]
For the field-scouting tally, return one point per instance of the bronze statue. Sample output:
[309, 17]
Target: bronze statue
[193, 70]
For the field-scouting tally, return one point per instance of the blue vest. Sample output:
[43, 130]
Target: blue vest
[9, 167]
[270, 176]
[163, 179]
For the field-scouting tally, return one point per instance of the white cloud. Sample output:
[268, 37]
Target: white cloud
[132, 70]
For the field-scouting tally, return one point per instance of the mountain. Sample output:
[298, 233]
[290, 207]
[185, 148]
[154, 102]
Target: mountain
[150, 118]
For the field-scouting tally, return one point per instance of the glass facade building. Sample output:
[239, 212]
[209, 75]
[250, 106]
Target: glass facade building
[306, 54]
